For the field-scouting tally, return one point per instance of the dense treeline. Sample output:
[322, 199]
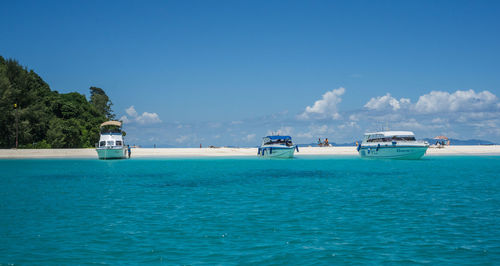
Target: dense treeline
[47, 119]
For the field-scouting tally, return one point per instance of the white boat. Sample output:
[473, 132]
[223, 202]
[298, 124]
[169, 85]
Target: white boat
[111, 145]
[277, 147]
[392, 145]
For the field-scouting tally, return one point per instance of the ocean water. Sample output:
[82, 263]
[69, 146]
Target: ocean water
[305, 211]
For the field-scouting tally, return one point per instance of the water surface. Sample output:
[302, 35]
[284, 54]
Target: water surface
[309, 210]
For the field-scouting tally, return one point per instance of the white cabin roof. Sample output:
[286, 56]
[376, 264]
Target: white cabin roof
[112, 123]
[391, 133]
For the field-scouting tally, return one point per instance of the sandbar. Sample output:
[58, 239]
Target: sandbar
[230, 152]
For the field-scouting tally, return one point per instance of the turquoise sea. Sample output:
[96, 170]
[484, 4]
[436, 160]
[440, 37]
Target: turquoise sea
[305, 211]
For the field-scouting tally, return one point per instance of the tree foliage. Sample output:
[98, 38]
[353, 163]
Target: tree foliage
[47, 118]
[101, 102]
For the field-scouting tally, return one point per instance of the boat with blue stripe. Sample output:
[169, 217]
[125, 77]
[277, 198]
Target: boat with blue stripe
[392, 145]
[277, 147]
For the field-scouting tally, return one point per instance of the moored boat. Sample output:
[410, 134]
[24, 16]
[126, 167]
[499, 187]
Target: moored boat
[277, 147]
[111, 144]
[392, 145]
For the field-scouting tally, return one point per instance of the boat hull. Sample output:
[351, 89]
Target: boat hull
[112, 153]
[277, 152]
[393, 152]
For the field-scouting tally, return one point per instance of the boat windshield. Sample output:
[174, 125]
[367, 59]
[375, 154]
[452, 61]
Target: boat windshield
[391, 138]
[286, 142]
[110, 129]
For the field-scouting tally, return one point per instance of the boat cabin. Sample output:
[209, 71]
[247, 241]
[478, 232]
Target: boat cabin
[277, 140]
[110, 143]
[111, 135]
[389, 136]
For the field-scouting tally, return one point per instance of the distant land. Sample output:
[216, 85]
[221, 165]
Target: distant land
[463, 142]
[456, 142]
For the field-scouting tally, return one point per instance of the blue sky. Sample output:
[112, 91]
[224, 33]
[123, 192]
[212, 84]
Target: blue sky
[229, 72]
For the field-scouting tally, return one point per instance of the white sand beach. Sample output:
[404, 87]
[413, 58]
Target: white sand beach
[218, 152]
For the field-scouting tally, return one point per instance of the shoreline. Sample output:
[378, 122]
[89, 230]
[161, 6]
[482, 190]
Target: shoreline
[472, 150]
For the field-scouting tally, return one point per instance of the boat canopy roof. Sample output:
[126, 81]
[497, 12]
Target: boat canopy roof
[278, 137]
[112, 123]
[390, 133]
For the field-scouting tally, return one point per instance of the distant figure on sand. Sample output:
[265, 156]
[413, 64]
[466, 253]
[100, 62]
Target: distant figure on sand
[129, 151]
[319, 142]
[326, 142]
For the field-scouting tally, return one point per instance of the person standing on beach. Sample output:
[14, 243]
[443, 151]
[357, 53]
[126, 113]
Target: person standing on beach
[129, 151]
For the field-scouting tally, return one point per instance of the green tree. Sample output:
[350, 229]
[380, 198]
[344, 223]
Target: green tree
[101, 101]
[64, 133]
[47, 118]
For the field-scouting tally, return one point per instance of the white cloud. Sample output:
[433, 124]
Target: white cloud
[182, 139]
[148, 118]
[438, 120]
[180, 126]
[385, 102]
[411, 124]
[441, 101]
[316, 131]
[487, 127]
[124, 119]
[350, 124]
[131, 111]
[215, 125]
[325, 107]
[320, 129]
[281, 131]
[250, 137]
[354, 117]
[143, 119]
[478, 118]
[462, 110]
[305, 135]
